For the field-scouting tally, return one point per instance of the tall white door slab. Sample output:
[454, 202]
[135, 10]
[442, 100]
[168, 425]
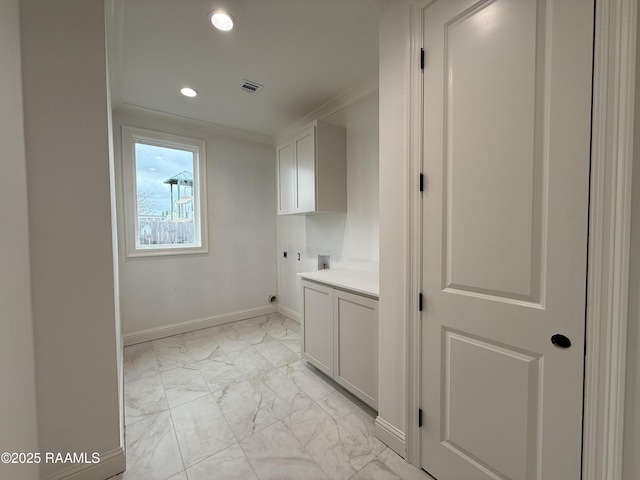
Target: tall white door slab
[507, 108]
[305, 151]
[286, 177]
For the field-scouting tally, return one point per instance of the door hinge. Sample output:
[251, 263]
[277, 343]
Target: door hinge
[419, 417]
[422, 59]
[420, 302]
[422, 182]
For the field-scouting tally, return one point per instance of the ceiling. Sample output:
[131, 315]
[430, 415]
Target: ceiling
[303, 52]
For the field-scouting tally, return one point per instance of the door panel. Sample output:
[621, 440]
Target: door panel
[305, 147]
[356, 345]
[491, 152]
[490, 404]
[317, 326]
[506, 139]
[286, 178]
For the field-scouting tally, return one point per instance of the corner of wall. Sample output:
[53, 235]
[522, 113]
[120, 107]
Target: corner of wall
[18, 417]
[70, 234]
[394, 213]
[390, 436]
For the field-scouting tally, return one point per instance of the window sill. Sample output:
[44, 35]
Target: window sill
[165, 252]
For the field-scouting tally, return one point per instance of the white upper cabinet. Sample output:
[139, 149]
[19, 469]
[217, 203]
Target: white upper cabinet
[312, 171]
[305, 171]
[286, 179]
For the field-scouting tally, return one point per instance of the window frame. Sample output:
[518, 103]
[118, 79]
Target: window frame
[131, 136]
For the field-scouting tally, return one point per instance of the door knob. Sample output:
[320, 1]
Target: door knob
[560, 341]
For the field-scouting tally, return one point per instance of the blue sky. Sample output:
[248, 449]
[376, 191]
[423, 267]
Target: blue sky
[153, 166]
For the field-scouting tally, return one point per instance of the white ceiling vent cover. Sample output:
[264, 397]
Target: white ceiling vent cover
[251, 87]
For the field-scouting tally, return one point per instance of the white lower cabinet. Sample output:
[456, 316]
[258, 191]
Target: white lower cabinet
[340, 337]
[317, 326]
[355, 344]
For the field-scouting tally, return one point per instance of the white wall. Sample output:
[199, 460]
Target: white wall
[352, 239]
[18, 430]
[394, 242]
[239, 272]
[67, 152]
[291, 238]
[361, 245]
[631, 454]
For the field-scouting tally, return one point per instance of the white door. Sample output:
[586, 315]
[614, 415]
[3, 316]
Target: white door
[317, 326]
[305, 148]
[355, 356]
[286, 178]
[506, 136]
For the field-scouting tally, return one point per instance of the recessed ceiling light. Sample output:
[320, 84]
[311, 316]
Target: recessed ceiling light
[188, 92]
[221, 20]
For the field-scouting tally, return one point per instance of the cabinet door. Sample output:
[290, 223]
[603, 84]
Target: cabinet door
[305, 154]
[317, 326]
[356, 345]
[286, 177]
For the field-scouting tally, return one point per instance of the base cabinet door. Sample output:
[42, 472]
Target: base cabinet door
[317, 326]
[356, 345]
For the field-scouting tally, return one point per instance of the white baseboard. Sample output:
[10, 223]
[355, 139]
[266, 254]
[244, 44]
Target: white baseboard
[191, 325]
[292, 314]
[390, 436]
[111, 463]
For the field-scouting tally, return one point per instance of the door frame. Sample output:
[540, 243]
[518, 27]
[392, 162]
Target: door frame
[614, 75]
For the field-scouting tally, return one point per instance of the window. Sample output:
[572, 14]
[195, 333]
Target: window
[164, 190]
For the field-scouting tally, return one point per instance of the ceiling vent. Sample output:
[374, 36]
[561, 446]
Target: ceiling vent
[250, 87]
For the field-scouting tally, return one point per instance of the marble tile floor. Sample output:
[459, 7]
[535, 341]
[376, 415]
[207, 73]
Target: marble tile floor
[236, 402]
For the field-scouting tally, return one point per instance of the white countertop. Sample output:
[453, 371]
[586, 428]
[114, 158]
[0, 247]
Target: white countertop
[358, 281]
